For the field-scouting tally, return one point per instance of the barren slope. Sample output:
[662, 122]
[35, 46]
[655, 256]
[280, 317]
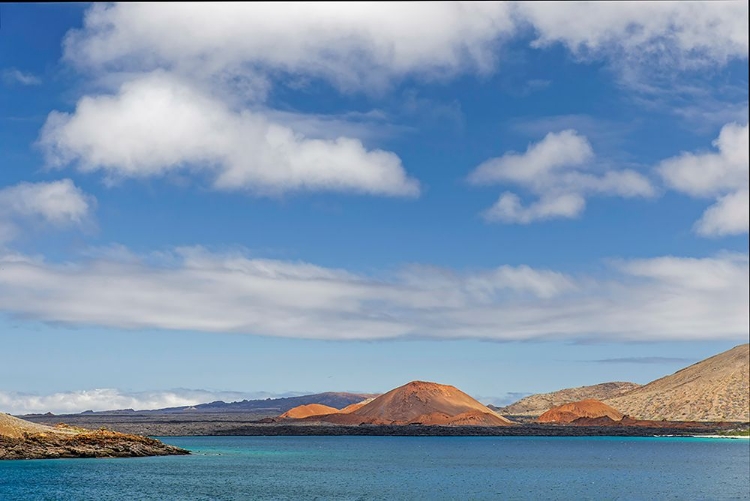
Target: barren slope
[715, 389]
[12, 427]
[535, 405]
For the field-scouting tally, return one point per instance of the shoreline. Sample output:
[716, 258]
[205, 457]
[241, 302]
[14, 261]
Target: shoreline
[743, 437]
[250, 425]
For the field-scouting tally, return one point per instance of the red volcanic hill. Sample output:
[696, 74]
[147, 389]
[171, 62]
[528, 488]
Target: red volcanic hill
[589, 408]
[303, 411]
[425, 403]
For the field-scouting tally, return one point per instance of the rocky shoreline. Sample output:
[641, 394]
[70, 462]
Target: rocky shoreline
[86, 444]
[461, 431]
[249, 425]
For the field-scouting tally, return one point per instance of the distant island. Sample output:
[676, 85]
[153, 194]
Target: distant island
[706, 398]
[20, 439]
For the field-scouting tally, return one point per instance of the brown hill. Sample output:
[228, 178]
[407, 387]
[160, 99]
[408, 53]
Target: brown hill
[589, 408]
[536, 405]
[304, 411]
[425, 403]
[714, 389]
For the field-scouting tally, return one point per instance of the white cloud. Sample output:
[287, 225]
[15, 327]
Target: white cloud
[236, 54]
[556, 151]
[359, 45]
[685, 34]
[193, 289]
[709, 174]
[365, 45]
[554, 169]
[722, 175]
[508, 208]
[709, 274]
[16, 76]
[102, 399]
[541, 283]
[728, 216]
[157, 124]
[58, 203]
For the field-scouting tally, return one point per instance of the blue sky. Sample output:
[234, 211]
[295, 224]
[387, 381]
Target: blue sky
[246, 200]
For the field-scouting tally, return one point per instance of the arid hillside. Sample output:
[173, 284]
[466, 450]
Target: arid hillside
[536, 405]
[589, 408]
[13, 427]
[714, 389]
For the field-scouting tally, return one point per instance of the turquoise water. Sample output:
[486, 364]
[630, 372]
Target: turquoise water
[409, 468]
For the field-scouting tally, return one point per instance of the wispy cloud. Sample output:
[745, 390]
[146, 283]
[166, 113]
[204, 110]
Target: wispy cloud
[643, 39]
[667, 298]
[13, 76]
[644, 360]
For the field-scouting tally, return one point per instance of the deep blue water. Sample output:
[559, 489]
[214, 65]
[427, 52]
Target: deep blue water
[409, 468]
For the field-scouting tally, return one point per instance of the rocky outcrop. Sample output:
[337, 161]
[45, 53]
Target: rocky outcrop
[21, 439]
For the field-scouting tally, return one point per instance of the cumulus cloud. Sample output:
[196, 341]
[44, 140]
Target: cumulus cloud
[368, 44]
[728, 216]
[102, 399]
[57, 203]
[194, 289]
[554, 169]
[157, 124]
[509, 209]
[722, 175]
[353, 46]
[557, 150]
[683, 34]
[13, 76]
[234, 54]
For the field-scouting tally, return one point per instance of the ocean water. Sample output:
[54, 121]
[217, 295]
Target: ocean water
[395, 468]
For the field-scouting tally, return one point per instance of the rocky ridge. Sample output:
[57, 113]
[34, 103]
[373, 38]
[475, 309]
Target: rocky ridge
[20, 439]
